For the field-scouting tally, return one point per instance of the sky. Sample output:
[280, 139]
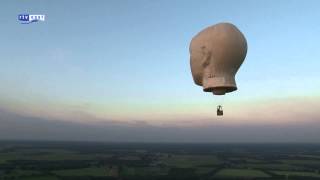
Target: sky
[119, 71]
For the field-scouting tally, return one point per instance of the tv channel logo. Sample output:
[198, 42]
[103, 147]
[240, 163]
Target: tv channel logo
[30, 18]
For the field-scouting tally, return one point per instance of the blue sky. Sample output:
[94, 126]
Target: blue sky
[124, 60]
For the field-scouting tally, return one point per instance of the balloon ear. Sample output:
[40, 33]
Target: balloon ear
[206, 56]
[206, 63]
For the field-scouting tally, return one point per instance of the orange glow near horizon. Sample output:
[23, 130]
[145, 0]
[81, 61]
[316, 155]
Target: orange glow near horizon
[257, 112]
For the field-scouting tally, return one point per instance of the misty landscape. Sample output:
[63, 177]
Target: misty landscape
[40, 160]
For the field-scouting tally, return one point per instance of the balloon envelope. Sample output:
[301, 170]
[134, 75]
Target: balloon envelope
[216, 54]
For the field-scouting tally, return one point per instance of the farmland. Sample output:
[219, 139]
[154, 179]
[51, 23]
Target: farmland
[132, 161]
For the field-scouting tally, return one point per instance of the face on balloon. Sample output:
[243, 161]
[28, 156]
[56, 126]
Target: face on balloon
[216, 54]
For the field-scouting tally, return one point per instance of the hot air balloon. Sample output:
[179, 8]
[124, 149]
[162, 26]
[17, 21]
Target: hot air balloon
[216, 54]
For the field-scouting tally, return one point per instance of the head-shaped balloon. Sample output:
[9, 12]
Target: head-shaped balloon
[216, 53]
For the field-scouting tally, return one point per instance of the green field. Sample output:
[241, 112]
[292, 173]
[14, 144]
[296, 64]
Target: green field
[186, 161]
[204, 170]
[302, 162]
[86, 161]
[143, 171]
[241, 173]
[274, 166]
[297, 173]
[92, 171]
[41, 178]
[148, 171]
[4, 157]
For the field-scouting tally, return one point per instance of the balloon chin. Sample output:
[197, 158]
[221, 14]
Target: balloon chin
[219, 85]
[220, 90]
